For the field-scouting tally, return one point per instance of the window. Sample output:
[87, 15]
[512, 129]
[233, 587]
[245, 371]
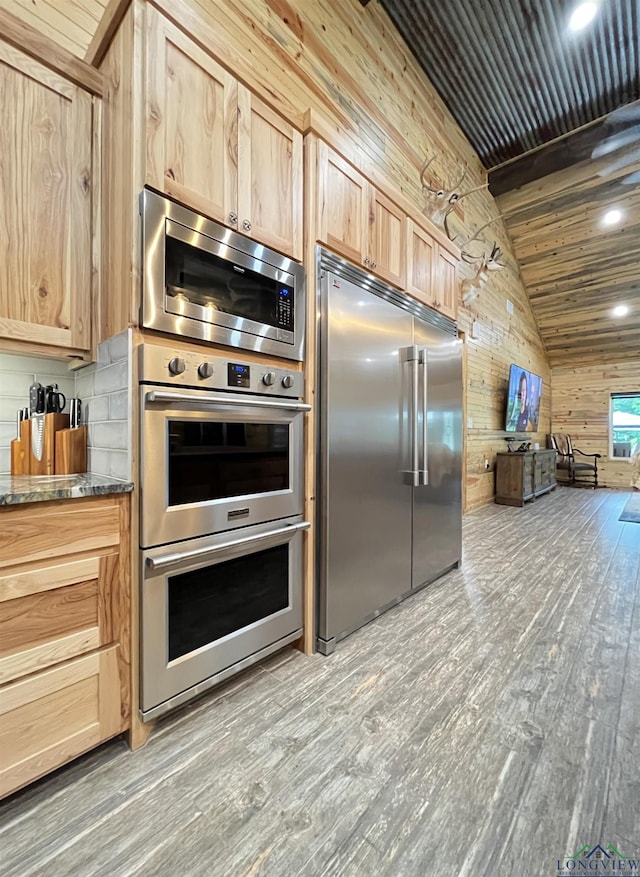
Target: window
[625, 424]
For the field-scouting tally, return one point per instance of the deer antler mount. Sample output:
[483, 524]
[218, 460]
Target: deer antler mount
[483, 261]
[440, 200]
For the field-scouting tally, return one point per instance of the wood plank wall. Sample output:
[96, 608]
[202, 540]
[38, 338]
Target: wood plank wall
[70, 23]
[580, 407]
[349, 64]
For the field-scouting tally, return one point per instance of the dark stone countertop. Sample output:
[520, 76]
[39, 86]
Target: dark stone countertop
[16, 489]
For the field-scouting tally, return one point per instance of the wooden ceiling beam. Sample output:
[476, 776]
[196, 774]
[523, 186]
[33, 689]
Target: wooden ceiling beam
[563, 153]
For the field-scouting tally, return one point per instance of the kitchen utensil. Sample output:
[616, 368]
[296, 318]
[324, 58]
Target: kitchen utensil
[37, 436]
[43, 431]
[36, 398]
[18, 447]
[75, 413]
[54, 400]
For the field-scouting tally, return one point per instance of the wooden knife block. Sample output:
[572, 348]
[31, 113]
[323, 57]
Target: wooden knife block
[46, 466]
[21, 450]
[71, 451]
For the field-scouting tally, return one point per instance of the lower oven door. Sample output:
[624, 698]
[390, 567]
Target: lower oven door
[213, 461]
[215, 605]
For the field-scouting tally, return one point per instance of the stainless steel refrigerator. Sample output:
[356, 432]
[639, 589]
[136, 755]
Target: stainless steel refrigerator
[390, 467]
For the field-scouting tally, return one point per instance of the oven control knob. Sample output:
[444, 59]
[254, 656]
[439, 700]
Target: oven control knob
[269, 378]
[205, 370]
[287, 382]
[176, 365]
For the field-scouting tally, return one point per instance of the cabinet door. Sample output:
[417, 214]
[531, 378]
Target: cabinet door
[47, 718]
[191, 128]
[269, 176]
[45, 205]
[446, 284]
[343, 202]
[386, 238]
[421, 263]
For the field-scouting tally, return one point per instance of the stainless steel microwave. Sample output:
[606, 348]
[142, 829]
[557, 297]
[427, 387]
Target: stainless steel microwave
[204, 281]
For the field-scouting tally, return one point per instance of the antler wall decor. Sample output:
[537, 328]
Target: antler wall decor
[484, 262]
[441, 202]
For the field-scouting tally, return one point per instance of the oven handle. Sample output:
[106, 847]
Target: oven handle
[202, 553]
[211, 400]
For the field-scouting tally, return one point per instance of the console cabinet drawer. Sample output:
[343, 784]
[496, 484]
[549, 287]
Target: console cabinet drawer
[50, 717]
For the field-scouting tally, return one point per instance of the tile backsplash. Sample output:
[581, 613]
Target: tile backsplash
[105, 390]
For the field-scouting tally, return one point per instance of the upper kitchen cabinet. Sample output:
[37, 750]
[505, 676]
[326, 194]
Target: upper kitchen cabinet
[431, 271]
[269, 177]
[215, 147]
[446, 283]
[357, 220]
[192, 136]
[46, 196]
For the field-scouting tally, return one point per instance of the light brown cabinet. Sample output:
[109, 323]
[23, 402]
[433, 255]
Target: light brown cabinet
[64, 633]
[431, 271]
[358, 221]
[45, 206]
[214, 146]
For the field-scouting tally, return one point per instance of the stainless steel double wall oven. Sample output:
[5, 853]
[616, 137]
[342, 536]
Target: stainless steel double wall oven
[221, 478]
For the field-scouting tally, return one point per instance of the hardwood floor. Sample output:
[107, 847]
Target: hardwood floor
[490, 725]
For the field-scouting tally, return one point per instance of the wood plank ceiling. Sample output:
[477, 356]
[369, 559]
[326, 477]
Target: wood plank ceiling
[516, 80]
[70, 23]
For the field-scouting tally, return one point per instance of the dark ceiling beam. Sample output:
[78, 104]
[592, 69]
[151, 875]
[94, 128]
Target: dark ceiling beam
[563, 153]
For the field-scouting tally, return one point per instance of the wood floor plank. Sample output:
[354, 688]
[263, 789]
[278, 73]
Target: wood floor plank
[491, 720]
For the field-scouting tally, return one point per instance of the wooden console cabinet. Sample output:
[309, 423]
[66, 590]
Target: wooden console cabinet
[523, 476]
[64, 632]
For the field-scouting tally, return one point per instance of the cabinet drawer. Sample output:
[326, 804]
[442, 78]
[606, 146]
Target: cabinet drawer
[42, 531]
[54, 613]
[50, 717]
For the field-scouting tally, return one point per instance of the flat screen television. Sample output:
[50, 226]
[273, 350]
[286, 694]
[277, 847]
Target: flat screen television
[523, 400]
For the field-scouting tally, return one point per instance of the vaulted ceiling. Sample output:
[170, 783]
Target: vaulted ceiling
[535, 100]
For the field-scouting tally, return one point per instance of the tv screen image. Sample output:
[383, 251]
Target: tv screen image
[523, 400]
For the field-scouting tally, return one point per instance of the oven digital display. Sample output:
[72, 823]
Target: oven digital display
[238, 375]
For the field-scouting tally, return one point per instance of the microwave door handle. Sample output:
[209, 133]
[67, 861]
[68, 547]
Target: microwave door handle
[213, 401]
[155, 564]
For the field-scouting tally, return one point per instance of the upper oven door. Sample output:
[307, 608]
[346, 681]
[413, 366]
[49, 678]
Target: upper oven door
[206, 281]
[215, 461]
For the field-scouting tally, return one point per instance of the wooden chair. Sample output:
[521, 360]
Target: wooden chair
[575, 471]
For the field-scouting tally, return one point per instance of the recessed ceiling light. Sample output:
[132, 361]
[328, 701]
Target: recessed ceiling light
[621, 310]
[612, 217]
[582, 15]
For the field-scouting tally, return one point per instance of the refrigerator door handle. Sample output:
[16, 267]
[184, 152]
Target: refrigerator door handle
[412, 356]
[424, 471]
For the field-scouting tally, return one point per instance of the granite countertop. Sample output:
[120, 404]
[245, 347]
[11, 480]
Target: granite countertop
[16, 489]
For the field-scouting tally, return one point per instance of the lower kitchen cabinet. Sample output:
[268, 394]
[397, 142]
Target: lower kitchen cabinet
[64, 632]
